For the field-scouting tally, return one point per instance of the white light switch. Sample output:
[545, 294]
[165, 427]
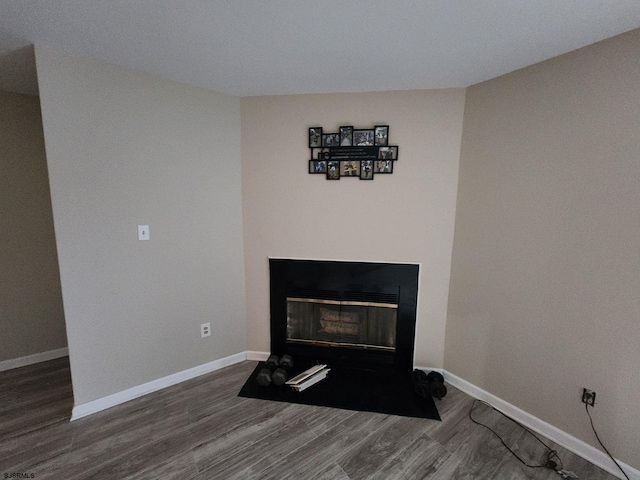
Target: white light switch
[143, 232]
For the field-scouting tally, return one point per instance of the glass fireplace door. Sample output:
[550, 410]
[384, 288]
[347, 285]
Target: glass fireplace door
[333, 323]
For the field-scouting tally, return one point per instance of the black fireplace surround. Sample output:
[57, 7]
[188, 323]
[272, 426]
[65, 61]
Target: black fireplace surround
[350, 314]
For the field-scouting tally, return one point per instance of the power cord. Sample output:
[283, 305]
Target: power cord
[586, 405]
[551, 453]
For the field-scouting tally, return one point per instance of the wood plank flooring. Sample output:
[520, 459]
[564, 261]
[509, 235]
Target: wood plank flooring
[200, 429]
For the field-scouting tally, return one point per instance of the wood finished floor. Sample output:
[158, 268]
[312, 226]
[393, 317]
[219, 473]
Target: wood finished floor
[200, 429]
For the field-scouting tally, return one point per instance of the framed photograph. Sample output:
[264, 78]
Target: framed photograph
[381, 134]
[316, 166]
[346, 136]
[349, 168]
[333, 170]
[383, 166]
[388, 153]
[330, 139]
[363, 138]
[315, 137]
[366, 170]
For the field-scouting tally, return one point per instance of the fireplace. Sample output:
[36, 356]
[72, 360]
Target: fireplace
[353, 314]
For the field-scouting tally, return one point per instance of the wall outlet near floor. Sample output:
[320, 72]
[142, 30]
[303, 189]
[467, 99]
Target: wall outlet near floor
[589, 397]
[205, 330]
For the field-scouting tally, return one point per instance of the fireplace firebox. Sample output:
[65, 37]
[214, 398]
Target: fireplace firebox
[355, 314]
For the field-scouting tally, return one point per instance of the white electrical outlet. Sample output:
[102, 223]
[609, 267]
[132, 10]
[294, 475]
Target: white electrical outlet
[143, 232]
[205, 330]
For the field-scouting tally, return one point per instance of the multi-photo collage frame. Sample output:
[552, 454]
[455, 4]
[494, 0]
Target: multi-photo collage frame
[357, 153]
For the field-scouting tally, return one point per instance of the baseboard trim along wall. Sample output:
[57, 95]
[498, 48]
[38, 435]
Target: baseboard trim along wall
[109, 401]
[258, 356]
[31, 359]
[571, 443]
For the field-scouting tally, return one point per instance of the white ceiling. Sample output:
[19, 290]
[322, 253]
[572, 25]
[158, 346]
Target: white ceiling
[263, 47]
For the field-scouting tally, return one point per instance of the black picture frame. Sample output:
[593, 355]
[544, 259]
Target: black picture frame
[315, 137]
[333, 170]
[346, 136]
[363, 138]
[388, 153]
[350, 168]
[318, 166]
[330, 139]
[381, 135]
[366, 170]
[352, 152]
[381, 167]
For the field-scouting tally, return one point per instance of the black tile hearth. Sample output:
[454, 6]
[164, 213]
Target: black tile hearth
[351, 389]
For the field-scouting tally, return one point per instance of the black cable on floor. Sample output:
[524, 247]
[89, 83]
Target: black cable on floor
[601, 444]
[551, 453]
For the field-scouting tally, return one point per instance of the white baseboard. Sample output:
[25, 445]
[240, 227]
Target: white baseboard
[31, 359]
[109, 401]
[571, 443]
[258, 356]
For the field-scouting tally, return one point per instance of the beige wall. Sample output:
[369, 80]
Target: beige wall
[404, 217]
[126, 149]
[545, 283]
[31, 314]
